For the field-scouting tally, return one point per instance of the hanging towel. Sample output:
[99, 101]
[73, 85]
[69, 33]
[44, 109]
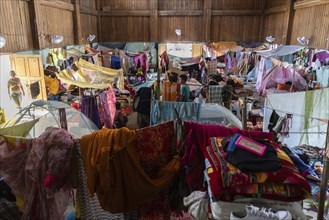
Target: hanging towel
[35, 89]
[163, 111]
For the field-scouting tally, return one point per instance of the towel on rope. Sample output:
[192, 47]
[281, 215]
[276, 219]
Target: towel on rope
[163, 111]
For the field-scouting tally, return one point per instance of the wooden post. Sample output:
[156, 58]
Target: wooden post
[244, 114]
[34, 7]
[77, 23]
[207, 19]
[324, 180]
[154, 20]
[289, 21]
[262, 23]
[99, 21]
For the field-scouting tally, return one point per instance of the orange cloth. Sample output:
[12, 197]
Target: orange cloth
[114, 171]
[169, 91]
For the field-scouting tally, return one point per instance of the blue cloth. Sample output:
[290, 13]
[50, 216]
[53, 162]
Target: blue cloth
[164, 111]
[115, 62]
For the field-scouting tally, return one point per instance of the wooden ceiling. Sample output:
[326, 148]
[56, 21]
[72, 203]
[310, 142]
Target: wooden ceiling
[27, 24]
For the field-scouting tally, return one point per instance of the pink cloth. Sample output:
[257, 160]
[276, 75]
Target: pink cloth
[196, 142]
[281, 74]
[108, 109]
[30, 164]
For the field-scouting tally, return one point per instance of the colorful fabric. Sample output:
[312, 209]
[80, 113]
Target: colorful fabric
[227, 181]
[90, 109]
[108, 109]
[185, 93]
[215, 94]
[155, 148]
[37, 171]
[169, 91]
[115, 173]
[212, 67]
[163, 111]
[52, 85]
[196, 142]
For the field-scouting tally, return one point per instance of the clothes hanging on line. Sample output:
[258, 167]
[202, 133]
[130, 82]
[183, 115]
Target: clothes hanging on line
[89, 107]
[163, 111]
[115, 173]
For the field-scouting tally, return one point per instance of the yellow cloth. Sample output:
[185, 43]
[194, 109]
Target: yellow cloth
[52, 84]
[92, 76]
[114, 172]
[2, 116]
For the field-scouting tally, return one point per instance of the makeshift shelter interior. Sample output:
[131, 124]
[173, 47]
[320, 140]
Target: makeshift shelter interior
[144, 109]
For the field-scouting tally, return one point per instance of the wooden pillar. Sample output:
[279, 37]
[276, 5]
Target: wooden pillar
[34, 8]
[99, 21]
[262, 23]
[324, 180]
[207, 19]
[288, 20]
[154, 20]
[77, 23]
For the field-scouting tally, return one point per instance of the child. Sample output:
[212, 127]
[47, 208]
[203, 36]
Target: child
[119, 119]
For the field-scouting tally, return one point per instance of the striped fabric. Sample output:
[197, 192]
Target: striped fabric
[215, 94]
[212, 67]
[90, 208]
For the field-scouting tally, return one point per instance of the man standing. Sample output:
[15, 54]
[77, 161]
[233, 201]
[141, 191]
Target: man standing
[184, 90]
[15, 89]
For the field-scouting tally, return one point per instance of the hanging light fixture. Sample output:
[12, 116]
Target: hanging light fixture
[303, 41]
[91, 37]
[270, 39]
[2, 41]
[57, 39]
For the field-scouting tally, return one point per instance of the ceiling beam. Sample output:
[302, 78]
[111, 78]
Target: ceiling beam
[309, 3]
[57, 4]
[77, 23]
[236, 12]
[276, 10]
[34, 9]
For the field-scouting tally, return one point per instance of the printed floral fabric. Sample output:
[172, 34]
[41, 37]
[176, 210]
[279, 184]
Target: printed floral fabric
[108, 109]
[155, 149]
[226, 181]
[37, 170]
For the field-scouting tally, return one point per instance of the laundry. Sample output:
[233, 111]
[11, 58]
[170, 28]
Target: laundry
[35, 89]
[115, 173]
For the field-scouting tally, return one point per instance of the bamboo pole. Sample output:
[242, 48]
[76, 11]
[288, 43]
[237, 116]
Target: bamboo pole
[324, 181]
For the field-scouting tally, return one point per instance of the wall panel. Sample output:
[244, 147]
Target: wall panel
[88, 26]
[313, 23]
[56, 21]
[235, 28]
[88, 3]
[274, 26]
[274, 3]
[67, 1]
[180, 5]
[122, 5]
[237, 4]
[125, 28]
[15, 25]
[191, 27]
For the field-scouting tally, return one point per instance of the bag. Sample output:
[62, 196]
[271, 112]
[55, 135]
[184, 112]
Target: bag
[136, 102]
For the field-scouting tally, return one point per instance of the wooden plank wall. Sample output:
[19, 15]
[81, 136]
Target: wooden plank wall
[15, 25]
[156, 20]
[310, 18]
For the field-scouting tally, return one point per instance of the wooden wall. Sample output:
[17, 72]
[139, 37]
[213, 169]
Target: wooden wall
[308, 18]
[156, 20]
[15, 29]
